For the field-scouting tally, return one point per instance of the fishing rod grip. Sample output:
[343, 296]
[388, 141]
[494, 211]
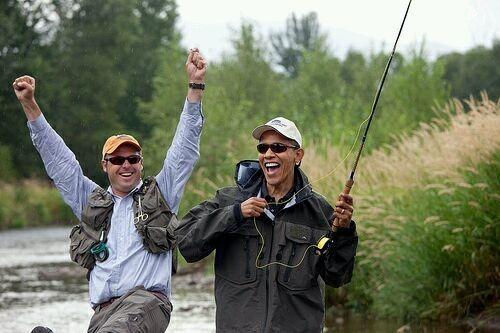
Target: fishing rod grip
[347, 188]
[348, 185]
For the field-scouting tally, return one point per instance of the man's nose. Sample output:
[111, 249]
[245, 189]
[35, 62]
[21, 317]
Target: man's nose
[269, 153]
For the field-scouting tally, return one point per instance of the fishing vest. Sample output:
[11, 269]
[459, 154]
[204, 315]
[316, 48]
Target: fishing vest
[153, 220]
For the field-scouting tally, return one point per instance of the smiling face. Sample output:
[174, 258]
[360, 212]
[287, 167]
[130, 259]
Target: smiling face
[123, 178]
[278, 168]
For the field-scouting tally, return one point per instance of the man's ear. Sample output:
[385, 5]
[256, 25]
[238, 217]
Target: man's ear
[299, 155]
[104, 165]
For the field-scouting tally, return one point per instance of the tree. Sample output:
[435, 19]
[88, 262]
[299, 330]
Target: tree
[476, 70]
[300, 35]
[154, 32]
[107, 53]
[85, 82]
[20, 46]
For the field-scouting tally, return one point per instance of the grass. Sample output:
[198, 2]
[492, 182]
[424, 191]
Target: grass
[428, 211]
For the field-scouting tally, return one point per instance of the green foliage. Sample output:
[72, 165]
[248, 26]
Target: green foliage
[445, 265]
[162, 112]
[105, 57]
[20, 48]
[7, 170]
[411, 94]
[474, 71]
[32, 203]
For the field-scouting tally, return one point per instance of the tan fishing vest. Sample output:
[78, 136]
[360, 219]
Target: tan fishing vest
[153, 220]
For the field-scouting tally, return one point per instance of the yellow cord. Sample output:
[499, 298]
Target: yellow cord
[276, 262]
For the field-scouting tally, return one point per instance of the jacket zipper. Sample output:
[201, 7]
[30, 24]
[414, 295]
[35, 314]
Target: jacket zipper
[288, 269]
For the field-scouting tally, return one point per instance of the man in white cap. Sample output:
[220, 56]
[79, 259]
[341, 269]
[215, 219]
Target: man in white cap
[125, 235]
[268, 233]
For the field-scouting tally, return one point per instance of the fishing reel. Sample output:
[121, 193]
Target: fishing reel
[324, 245]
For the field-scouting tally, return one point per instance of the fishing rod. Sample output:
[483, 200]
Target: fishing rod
[350, 181]
[324, 243]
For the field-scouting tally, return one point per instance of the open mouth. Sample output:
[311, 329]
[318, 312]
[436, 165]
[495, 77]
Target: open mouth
[272, 167]
[126, 174]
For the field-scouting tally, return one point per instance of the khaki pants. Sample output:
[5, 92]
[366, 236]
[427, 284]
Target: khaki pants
[137, 311]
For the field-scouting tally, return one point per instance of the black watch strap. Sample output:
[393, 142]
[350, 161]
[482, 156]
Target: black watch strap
[200, 86]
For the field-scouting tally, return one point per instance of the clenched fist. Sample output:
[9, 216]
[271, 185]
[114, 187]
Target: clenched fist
[196, 66]
[253, 207]
[24, 87]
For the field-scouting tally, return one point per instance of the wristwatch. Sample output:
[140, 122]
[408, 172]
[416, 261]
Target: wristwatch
[194, 85]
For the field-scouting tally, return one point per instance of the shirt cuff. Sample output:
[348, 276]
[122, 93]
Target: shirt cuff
[38, 125]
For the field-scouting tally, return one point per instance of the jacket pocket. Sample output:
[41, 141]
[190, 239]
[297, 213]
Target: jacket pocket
[80, 244]
[235, 257]
[299, 252]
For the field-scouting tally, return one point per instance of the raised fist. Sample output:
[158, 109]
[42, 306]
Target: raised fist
[24, 87]
[196, 66]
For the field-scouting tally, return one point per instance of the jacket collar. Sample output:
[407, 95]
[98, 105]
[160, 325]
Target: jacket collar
[252, 187]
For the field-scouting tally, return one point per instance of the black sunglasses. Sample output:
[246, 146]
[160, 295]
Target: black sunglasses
[275, 147]
[119, 160]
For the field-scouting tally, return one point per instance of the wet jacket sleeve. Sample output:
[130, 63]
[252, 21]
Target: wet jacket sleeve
[203, 226]
[337, 263]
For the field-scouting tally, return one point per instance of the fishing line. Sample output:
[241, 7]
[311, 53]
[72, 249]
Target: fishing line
[350, 181]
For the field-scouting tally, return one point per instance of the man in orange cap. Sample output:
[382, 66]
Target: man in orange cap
[125, 235]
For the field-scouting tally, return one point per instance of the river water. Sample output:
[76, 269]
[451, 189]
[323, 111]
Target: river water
[39, 285]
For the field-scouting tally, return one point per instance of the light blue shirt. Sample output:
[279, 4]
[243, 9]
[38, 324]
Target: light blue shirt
[129, 263]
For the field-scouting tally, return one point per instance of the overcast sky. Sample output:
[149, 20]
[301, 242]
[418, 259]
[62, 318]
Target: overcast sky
[446, 25]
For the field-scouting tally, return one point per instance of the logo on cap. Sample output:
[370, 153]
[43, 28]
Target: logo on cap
[277, 122]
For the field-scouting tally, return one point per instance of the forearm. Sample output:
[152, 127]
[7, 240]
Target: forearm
[31, 110]
[194, 95]
[182, 155]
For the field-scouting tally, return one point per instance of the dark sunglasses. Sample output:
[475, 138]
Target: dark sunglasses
[275, 147]
[119, 160]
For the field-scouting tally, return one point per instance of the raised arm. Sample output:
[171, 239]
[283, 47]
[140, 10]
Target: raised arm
[185, 148]
[60, 162]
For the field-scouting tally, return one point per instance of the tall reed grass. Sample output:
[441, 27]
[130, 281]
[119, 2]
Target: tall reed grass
[428, 214]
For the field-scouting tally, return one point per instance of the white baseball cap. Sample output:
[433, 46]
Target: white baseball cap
[281, 125]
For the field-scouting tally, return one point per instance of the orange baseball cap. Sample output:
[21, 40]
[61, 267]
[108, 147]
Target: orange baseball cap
[114, 141]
